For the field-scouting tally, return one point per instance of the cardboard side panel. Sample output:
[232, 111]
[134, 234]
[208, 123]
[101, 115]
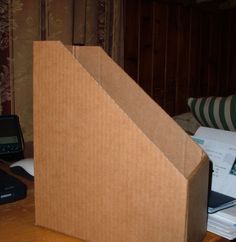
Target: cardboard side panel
[97, 176]
[149, 117]
[197, 205]
[90, 58]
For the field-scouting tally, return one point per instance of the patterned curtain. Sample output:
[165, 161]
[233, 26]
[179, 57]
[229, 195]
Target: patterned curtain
[100, 23]
[7, 24]
[5, 90]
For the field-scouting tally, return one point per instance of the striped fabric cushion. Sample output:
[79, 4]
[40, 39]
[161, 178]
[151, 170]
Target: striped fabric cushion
[215, 112]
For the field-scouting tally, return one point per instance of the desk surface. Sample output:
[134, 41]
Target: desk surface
[17, 223]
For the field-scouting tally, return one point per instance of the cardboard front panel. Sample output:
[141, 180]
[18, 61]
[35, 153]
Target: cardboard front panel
[98, 176]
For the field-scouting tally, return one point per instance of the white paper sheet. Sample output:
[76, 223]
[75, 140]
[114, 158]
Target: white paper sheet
[226, 137]
[223, 156]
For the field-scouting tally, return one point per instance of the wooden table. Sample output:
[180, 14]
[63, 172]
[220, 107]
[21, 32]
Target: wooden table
[17, 222]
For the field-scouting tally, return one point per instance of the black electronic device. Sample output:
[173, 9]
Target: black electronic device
[11, 138]
[11, 188]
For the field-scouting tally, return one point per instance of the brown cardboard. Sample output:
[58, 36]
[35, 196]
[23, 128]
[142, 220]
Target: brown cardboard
[110, 164]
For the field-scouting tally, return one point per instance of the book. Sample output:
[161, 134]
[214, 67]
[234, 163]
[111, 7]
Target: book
[218, 201]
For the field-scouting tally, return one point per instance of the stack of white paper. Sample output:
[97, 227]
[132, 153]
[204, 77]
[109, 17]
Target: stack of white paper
[223, 223]
[220, 146]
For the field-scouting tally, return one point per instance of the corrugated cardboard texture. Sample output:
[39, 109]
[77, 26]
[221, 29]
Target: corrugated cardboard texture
[197, 200]
[150, 118]
[110, 164]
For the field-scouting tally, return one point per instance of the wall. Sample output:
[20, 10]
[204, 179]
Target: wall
[34, 20]
[175, 51]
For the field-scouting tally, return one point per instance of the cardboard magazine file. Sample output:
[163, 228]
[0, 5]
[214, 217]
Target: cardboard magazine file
[110, 164]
